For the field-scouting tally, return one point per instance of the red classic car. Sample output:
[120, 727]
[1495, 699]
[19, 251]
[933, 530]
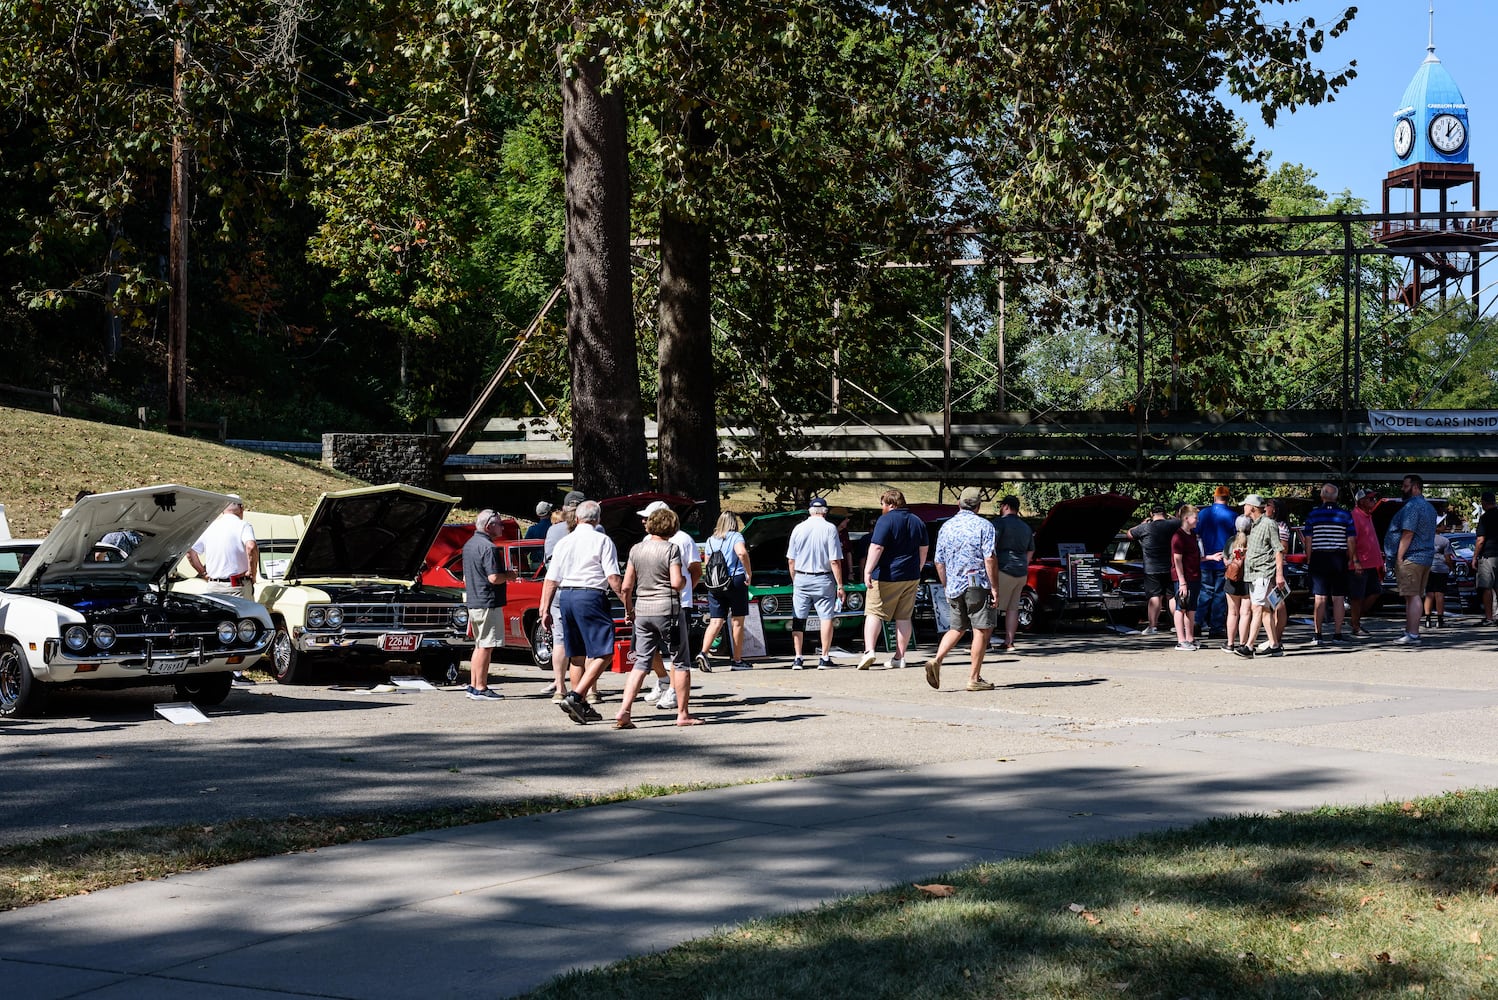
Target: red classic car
[524, 562]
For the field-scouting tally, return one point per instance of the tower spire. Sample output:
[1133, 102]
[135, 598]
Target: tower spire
[1430, 45]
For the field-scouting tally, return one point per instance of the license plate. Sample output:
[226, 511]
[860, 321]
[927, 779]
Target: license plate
[175, 665]
[400, 642]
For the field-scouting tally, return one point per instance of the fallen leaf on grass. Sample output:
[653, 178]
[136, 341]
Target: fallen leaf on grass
[1475, 937]
[936, 890]
[1382, 958]
[1440, 907]
[1366, 864]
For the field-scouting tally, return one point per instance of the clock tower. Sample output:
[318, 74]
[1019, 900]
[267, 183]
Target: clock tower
[1430, 141]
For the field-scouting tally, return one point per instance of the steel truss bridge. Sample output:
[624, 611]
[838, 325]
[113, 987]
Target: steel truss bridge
[1145, 445]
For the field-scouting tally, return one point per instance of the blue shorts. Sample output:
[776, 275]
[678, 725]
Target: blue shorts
[587, 623]
[813, 591]
[733, 601]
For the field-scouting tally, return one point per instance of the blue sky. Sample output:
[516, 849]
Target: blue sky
[1347, 142]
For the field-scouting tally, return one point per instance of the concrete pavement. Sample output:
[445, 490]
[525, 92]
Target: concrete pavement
[1110, 736]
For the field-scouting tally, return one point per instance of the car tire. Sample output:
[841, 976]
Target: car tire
[443, 669]
[205, 690]
[21, 694]
[286, 662]
[532, 626]
[1029, 611]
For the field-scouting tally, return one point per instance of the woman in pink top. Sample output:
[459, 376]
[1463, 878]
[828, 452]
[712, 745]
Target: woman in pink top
[1365, 577]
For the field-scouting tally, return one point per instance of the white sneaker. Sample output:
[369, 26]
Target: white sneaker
[867, 660]
[1264, 646]
[667, 700]
[895, 663]
[1152, 630]
[650, 694]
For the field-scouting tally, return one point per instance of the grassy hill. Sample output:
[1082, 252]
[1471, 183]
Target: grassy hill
[49, 459]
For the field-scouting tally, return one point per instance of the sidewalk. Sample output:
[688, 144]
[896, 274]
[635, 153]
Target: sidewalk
[497, 909]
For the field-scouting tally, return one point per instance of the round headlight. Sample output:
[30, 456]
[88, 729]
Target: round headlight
[248, 629]
[317, 617]
[104, 637]
[460, 617]
[225, 632]
[76, 637]
[855, 601]
[769, 604]
[335, 617]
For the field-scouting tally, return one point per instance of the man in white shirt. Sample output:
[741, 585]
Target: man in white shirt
[226, 556]
[814, 555]
[584, 567]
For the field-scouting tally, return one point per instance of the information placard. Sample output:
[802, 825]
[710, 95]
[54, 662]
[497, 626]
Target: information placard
[1084, 577]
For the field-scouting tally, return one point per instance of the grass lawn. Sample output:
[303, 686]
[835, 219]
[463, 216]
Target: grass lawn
[1394, 901]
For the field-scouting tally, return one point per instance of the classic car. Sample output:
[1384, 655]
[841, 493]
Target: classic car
[1082, 525]
[77, 612]
[344, 585]
[524, 562]
[767, 537]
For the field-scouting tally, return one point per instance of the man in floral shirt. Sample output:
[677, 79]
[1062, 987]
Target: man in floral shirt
[968, 568]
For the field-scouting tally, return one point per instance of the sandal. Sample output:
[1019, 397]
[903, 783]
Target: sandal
[623, 722]
[689, 721]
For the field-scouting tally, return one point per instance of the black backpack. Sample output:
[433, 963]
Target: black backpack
[715, 575]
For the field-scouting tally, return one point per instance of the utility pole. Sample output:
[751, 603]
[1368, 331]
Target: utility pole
[176, 344]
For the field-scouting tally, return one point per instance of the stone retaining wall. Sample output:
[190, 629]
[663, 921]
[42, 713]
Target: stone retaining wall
[386, 458]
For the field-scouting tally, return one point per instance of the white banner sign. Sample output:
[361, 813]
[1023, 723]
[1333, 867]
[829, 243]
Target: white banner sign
[1433, 421]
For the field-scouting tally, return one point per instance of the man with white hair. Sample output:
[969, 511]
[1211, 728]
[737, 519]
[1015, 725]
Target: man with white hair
[226, 556]
[1333, 537]
[584, 567]
[484, 593]
[814, 555]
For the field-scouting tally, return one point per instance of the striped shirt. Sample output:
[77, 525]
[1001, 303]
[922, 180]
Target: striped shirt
[1328, 528]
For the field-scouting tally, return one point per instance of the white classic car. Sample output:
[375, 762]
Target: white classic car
[345, 584]
[78, 611]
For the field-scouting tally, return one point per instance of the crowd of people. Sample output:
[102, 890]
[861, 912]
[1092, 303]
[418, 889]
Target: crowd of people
[1219, 573]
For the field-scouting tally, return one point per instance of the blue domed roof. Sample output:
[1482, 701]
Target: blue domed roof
[1431, 93]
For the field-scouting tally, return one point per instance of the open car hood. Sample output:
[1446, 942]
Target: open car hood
[168, 520]
[1093, 521]
[377, 531]
[765, 528]
[619, 517]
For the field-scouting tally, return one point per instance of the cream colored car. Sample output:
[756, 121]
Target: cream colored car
[343, 585]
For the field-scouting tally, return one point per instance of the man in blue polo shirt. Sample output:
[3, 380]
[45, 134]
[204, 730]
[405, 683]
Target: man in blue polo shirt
[1214, 526]
[892, 570]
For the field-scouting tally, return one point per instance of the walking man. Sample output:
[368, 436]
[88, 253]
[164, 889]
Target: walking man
[1485, 555]
[968, 570]
[226, 555]
[484, 593]
[1014, 545]
[1214, 526]
[1331, 538]
[892, 570]
[1416, 526]
[584, 567]
[1154, 537]
[1264, 571]
[814, 555]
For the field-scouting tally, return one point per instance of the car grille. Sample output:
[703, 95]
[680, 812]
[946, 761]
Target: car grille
[411, 616]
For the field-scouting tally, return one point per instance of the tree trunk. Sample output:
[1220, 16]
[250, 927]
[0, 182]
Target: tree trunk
[686, 414]
[608, 421]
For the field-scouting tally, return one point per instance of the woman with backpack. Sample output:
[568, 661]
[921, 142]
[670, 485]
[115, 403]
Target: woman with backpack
[725, 576]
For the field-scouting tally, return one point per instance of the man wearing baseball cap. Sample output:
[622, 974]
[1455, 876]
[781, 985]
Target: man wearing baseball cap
[815, 557]
[1264, 572]
[484, 593]
[543, 521]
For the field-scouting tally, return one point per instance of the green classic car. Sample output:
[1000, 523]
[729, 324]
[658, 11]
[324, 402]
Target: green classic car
[766, 537]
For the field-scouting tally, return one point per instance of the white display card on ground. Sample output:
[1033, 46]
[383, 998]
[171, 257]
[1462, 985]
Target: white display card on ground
[181, 713]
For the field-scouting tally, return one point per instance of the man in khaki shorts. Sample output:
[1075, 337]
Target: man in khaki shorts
[1013, 548]
[892, 570]
[484, 593]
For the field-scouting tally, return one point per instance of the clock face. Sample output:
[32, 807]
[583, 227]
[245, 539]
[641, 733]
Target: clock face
[1404, 137]
[1447, 133]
